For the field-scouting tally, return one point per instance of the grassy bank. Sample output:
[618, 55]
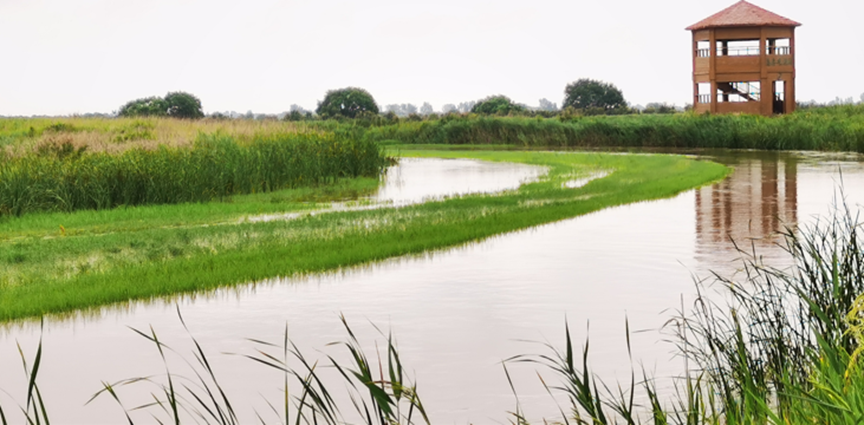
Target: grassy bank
[65, 178]
[784, 349]
[833, 129]
[51, 269]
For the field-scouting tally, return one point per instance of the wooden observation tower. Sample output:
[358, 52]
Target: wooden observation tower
[744, 62]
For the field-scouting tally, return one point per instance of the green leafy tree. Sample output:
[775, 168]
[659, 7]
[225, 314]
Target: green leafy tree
[348, 102]
[183, 105]
[591, 95]
[148, 106]
[498, 105]
[174, 104]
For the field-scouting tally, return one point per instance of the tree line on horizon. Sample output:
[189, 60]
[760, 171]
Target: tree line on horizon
[590, 97]
[582, 97]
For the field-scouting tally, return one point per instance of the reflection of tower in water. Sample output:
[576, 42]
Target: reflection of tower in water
[753, 204]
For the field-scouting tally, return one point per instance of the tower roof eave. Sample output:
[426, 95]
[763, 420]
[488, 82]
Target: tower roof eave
[743, 14]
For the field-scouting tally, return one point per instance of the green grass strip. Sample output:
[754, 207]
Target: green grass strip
[87, 269]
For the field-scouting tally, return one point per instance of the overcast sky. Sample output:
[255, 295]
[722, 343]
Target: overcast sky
[77, 56]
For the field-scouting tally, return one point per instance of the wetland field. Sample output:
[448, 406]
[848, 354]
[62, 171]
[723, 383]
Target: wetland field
[432, 250]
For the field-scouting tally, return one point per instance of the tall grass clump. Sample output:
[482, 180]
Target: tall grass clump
[783, 348]
[63, 178]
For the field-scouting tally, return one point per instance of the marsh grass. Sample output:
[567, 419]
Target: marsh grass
[47, 272]
[829, 130]
[63, 178]
[22, 136]
[784, 349]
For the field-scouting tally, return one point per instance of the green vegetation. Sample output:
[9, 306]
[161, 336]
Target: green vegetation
[594, 97]
[63, 178]
[496, 105]
[838, 129]
[785, 350]
[63, 262]
[183, 105]
[349, 102]
[174, 105]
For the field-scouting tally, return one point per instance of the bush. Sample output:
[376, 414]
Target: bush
[183, 105]
[174, 104]
[147, 107]
[496, 105]
[593, 95]
[348, 103]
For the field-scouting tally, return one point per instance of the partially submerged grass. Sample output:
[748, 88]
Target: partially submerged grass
[47, 272]
[784, 349]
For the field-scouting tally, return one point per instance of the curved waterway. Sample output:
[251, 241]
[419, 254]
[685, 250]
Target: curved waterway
[457, 313]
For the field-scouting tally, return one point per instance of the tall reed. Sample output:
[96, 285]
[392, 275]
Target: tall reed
[63, 178]
[834, 130]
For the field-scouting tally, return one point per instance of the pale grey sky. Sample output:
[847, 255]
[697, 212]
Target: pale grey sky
[78, 56]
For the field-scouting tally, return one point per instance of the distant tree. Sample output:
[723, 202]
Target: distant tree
[174, 104]
[659, 108]
[402, 110]
[466, 107]
[408, 109]
[294, 115]
[587, 94]
[183, 105]
[148, 106]
[347, 102]
[426, 109]
[297, 113]
[546, 105]
[449, 107]
[862, 97]
[298, 108]
[499, 105]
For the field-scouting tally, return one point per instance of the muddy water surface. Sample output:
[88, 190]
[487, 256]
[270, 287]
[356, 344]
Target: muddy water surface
[457, 313]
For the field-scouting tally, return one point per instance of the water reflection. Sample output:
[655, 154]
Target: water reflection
[750, 203]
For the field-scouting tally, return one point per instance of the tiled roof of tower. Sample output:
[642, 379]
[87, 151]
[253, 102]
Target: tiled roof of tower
[743, 14]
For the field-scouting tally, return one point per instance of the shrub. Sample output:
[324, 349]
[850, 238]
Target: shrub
[496, 105]
[174, 104]
[183, 105]
[594, 95]
[148, 106]
[347, 103]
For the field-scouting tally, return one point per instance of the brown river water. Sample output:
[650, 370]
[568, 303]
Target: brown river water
[456, 313]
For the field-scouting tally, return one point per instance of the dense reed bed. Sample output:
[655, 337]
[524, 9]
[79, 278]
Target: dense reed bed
[213, 167]
[90, 261]
[828, 129]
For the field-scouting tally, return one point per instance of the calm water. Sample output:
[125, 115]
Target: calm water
[457, 313]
